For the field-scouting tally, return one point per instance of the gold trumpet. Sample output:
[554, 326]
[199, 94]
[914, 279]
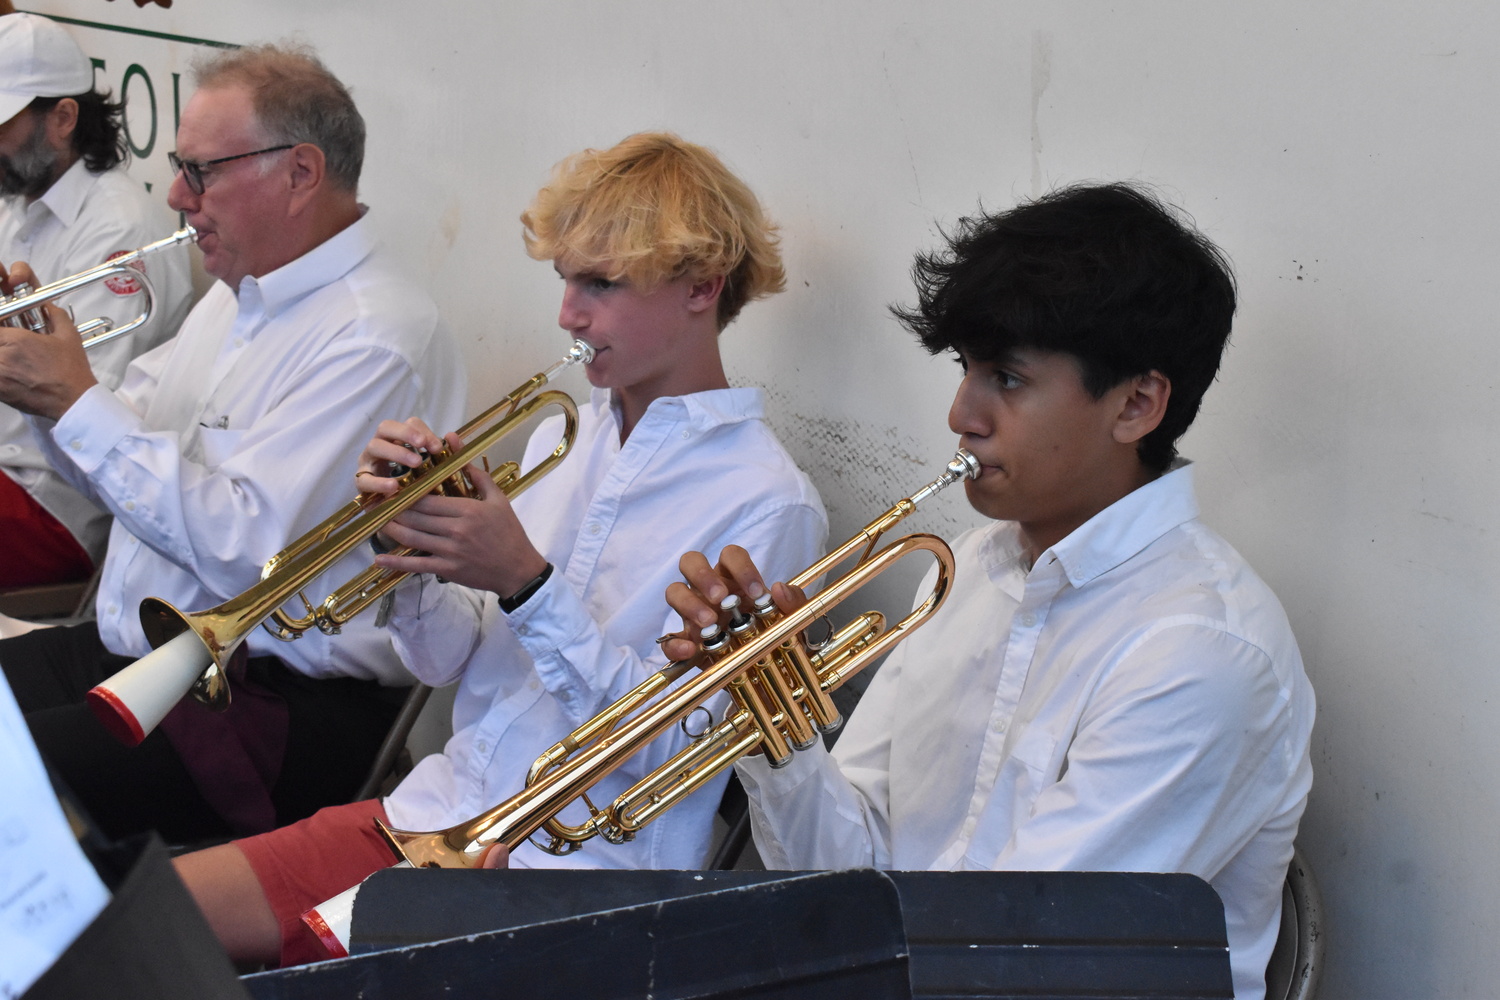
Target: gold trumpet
[192, 649]
[778, 685]
[24, 306]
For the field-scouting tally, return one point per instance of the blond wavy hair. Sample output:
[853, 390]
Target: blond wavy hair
[654, 208]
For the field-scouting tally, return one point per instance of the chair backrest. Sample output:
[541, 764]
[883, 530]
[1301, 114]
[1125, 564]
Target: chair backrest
[1297, 961]
[386, 760]
[734, 810]
[52, 600]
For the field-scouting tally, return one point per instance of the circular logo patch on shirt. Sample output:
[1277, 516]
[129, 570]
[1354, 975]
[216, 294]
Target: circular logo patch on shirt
[124, 284]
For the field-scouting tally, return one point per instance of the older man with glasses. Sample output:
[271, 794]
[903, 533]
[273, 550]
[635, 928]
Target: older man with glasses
[224, 444]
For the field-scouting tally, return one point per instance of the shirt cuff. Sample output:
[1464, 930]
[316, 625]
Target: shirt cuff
[551, 618]
[512, 604]
[757, 774]
[549, 627]
[93, 426]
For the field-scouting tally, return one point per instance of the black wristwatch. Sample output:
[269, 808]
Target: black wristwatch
[520, 597]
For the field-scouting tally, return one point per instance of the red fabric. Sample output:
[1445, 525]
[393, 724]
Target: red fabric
[38, 549]
[310, 862]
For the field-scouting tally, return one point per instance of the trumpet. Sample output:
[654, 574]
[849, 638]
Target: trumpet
[778, 685]
[24, 306]
[192, 650]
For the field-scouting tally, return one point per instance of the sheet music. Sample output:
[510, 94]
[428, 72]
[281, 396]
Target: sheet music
[49, 892]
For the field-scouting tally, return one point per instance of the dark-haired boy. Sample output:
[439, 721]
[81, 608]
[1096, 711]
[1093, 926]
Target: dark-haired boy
[1109, 686]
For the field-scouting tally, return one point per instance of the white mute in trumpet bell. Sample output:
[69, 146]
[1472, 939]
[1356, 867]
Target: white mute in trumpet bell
[134, 701]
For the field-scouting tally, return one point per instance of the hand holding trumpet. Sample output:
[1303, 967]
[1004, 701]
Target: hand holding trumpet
[698, 599]
[41, 375]
[477, 541]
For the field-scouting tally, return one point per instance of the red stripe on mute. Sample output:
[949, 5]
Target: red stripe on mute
[319, 926]
[113, 715]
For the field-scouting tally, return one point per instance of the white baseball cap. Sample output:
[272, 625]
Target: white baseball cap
[38, 59]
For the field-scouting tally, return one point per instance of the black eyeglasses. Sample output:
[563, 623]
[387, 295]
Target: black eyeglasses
[193, 171]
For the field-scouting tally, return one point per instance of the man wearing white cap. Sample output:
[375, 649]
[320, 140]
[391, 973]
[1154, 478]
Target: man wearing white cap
[66, 204]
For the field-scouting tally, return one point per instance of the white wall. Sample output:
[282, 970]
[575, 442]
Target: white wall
[1338, 151]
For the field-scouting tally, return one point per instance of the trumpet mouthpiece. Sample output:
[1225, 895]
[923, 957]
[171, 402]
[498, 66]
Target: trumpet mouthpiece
[964, 465]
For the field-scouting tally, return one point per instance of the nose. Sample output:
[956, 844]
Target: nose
[966, 417]
[180, 197]
[571, 316]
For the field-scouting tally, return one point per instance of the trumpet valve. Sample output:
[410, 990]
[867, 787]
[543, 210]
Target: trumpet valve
[34, 319]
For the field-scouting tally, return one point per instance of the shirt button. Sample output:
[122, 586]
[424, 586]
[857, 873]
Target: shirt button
[130, 505]
[523, 629]
[1027, 620]
[75, 444]
[686, 434]
[239, 341]
[593, 529]
[482, 747]
[114, 609]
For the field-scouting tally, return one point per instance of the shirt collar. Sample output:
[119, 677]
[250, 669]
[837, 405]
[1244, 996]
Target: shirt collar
[64, 199]
[1127, 526]
[321, 266]
[702, 410]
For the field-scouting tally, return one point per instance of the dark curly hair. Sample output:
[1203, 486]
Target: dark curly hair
[1105, 273]
[99, 136]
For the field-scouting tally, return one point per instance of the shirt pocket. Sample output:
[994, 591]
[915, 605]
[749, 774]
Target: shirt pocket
[1034, 748]
[218, 444]
[1025, 772]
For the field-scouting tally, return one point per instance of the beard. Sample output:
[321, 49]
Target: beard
[33, 168]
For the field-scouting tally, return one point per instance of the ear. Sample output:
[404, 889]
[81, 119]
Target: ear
[309, 171]
[62, 120]
[704, 293]
[1142, 407]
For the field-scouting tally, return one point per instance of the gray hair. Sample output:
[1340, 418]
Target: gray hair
[296, 100]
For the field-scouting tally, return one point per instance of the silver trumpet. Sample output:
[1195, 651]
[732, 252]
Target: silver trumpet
[24, 306]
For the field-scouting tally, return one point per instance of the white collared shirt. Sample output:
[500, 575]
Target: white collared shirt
[228, 442]
[1135, 702]
[81, 221]
[698, 472]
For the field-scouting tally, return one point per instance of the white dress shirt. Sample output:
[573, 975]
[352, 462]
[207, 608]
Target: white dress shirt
[1135, 702]
[230, 441]
[697, 472]
[82, 221]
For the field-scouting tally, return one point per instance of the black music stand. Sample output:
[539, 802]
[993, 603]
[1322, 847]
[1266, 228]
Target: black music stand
[859, 934]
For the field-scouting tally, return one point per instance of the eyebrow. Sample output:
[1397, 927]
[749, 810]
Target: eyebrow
[588, 274]
[1012, 359]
